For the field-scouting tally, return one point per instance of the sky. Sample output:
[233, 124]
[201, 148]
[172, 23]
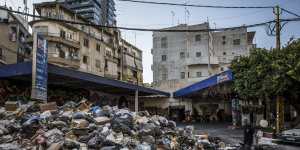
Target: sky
[160, 16]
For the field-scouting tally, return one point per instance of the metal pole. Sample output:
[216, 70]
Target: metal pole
[136, 101]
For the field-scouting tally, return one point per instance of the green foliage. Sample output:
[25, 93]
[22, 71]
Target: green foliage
[268, 73]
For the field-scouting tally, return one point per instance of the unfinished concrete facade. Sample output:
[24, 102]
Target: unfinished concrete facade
[183, 58]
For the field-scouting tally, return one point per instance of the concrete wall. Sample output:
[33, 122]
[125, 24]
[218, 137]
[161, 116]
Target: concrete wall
[182, 48]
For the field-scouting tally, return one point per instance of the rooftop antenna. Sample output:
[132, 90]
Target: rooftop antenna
[173, 16]
[186, 12]
[26, 9]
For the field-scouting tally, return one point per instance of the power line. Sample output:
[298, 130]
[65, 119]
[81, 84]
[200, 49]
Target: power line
[135, 29]
[292, 13]
[194, 5]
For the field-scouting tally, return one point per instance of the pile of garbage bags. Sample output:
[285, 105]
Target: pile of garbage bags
[88, 126]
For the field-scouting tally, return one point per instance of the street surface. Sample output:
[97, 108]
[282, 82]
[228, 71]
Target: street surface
[229, 136]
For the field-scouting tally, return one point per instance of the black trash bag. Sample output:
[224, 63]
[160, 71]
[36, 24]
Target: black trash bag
[30, 126]
[71, 145]
[69, 105]
[9, 146]
[6, 139]
[171, 124]
[148, 139]
[122, 123]
[95, 142]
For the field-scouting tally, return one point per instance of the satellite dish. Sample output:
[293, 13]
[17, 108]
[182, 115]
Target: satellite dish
[263, 123]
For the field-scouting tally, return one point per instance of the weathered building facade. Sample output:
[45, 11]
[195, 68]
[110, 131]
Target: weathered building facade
[85, 48]
[183, 58]
[14, 31]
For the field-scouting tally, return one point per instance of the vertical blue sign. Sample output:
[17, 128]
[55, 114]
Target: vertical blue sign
[40, 68]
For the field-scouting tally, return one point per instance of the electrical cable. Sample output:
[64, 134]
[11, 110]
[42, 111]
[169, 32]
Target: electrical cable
[292, 13]
[134, 29]
[194, 5]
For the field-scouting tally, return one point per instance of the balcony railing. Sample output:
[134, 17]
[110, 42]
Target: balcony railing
[72, 63]
[58, 35]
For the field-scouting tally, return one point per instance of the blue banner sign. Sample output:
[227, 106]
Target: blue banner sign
[40, 68]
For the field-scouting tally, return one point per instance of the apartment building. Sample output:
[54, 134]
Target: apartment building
[14, 31]
[183, 58]
[132, 63]
[85, 48]
[108, 12]
[97, 11]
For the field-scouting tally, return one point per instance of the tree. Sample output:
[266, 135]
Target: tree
[266, 74]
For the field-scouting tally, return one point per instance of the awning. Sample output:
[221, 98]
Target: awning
[77, 79]
[209, 82]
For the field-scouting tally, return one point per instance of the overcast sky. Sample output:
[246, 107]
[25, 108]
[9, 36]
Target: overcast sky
[154, 16]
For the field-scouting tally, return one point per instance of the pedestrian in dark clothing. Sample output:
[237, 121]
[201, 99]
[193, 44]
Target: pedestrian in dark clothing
[248, 135]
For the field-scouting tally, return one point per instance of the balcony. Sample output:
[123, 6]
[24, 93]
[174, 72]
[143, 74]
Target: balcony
[68, 63]
[202, 60]
[2, 59]
[55, 37]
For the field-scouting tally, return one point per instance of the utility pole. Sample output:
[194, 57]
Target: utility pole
[136, 98]
[279, 99]
[208, 48]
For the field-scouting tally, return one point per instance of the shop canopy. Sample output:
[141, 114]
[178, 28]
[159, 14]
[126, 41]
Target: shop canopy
[76, 79]
[193, 89]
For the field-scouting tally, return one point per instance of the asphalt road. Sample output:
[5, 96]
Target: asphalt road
[229, 136]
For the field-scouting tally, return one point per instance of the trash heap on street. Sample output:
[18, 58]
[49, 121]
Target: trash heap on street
[87, 126]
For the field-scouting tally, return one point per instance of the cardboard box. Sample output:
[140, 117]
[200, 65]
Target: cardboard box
[48, 107]
[11, 105]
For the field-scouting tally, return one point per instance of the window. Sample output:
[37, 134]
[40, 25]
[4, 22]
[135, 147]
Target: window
[134, 74]
[198, 54]
[199, 74]
[85, 59]
[163, 57]
[222, 69]
[182, 55]
[223, 37]
[182, 75]
[98, 63]
[106, 65]
[1, 53]
[98, 47]
[62, 54]
[188, 75]
[198, 37]
[164, 76]
[224, 42]
[237, 42]
[62, 34]
[164, 42]
[86, 42]
[224, 53]
[155, 40]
